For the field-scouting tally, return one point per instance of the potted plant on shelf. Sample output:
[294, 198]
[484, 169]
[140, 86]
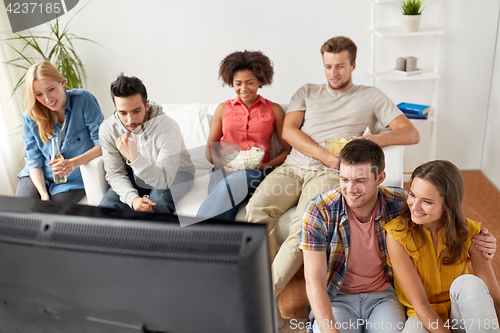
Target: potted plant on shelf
[412, 10]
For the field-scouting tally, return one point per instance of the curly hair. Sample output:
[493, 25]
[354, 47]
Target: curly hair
[256, 61]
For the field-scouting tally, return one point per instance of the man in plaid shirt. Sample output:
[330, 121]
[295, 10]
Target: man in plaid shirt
[344, 247]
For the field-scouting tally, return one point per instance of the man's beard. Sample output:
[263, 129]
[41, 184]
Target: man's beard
[140, 126]
[342, 85]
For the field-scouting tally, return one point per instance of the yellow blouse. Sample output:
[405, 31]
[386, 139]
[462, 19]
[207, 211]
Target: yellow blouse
[435, 277]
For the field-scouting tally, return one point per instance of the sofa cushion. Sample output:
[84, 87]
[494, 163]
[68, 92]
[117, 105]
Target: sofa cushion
[194, 121]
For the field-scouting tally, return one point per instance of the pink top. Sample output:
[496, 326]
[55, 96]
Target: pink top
[253, 125]
[365, 272]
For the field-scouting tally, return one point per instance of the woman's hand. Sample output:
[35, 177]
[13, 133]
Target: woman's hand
[228, 168]
[62, 168]
[264, 167]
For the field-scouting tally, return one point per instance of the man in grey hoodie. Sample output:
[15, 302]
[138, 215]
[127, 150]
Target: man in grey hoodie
[146, 162]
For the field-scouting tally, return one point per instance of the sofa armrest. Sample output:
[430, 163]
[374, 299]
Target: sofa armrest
[394, 165]
[94, 180]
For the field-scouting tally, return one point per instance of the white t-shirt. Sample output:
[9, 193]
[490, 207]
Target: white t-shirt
[330, 115]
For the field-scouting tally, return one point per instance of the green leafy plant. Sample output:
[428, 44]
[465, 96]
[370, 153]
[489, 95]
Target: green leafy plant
[411, 7]
[57, 48]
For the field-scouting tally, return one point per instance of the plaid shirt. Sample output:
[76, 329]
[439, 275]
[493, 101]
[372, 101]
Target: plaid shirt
[325, 228]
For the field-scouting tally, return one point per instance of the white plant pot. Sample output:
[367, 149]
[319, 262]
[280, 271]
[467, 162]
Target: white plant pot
[411, 23]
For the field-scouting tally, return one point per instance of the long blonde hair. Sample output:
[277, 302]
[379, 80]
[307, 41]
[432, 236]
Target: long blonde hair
[44, 117]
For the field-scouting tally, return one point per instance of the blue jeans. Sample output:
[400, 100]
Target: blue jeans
[227, 190]
[26, 189]
[368, 312]
[164, 198]
[472, 308]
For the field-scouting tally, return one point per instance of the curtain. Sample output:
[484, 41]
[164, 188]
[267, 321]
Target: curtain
[11, 143]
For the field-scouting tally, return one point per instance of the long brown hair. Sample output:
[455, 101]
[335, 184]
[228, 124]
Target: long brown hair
[44, 117]
[446, 177]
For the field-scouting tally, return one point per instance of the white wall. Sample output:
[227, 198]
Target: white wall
[468, 52]
[491, 157]
[175, 46]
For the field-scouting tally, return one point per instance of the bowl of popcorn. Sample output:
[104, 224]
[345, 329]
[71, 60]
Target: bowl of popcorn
[336, 145]
[244, 158]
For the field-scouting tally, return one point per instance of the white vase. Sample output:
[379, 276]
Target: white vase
[411, 23]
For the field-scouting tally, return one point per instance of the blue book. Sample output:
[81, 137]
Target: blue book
[414, 108]
[415, 116]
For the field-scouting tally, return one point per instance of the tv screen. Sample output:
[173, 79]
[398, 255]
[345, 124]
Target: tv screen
[72, 268]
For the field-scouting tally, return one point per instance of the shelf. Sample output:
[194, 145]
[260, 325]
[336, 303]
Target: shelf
[392, 31]
[398, 32]
[431, 118]
[389, 75]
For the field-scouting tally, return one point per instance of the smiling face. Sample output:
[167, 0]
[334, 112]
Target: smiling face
[359, 187]
[246, 84]
[426, 203]
[132, 111]
[338, 69]
[50, 93]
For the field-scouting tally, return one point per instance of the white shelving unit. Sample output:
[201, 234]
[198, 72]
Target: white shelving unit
[394, 33]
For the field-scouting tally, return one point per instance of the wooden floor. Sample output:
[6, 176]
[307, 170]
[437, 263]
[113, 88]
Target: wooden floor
[481, 203]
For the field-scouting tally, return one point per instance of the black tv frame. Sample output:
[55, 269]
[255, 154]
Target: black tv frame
[74, 268]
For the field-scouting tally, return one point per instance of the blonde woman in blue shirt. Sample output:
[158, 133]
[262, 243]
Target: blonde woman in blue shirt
[73, 116]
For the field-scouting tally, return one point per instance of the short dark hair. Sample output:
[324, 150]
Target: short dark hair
[125, 86]
[360, 151]
[256, 61]
[339, 44]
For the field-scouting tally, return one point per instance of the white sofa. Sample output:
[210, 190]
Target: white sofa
[194, 121]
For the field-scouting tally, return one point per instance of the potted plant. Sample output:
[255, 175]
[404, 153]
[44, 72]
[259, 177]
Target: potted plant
[57, 48]
[412, 10]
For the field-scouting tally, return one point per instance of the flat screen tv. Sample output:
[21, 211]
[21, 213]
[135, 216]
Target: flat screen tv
[73, 268]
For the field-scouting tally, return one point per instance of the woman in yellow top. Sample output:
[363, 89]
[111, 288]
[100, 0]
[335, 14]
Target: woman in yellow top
[429, 248]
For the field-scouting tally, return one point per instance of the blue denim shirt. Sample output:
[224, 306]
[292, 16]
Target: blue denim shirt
[83, 117]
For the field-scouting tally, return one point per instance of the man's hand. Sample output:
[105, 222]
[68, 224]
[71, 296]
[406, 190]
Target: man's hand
[139, 205]
[329, 160]
[62, 168]
[127, 145]
[372, 137]
[486, 243]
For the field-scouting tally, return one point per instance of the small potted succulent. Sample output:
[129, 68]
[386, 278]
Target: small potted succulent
[412, 10]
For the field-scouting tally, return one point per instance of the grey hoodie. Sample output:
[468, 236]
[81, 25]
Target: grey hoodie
[161, 148]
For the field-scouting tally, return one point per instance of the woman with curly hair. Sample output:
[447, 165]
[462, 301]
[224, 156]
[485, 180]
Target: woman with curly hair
[429, 248]
[73, 117]
[248, 118]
